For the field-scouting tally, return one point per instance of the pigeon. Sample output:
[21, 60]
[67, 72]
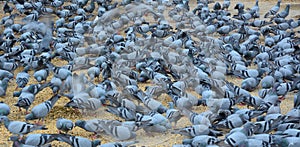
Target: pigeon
[18, 127]
[226, 4]
[17, 142]
[119, 144]
[77, 141]
[7, 8]
[235, 138]
[156, 123]
[267, 82]
[37, 139]
[4, 109]
[273, 10]
[284, 13]
[232, 121]
[93, 72]
[250, 84]
[172, 114]
[287, 141]
[65, 125]
[41, 75]
[40, 111]
[202, 140]
[196, 130]
[22, 79]
[118, 132]
[25, 100]
[254, 142]
[5, 73]
[56, 85]
[61, 73]
[122, 112]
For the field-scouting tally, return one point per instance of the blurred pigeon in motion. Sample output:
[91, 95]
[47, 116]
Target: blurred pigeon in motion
[64, 125]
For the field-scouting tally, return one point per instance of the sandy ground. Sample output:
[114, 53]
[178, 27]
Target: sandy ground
[155, 140]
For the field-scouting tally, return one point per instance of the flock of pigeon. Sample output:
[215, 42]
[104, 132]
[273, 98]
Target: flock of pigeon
[122, 44]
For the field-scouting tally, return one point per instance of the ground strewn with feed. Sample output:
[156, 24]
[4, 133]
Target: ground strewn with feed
[156, 139]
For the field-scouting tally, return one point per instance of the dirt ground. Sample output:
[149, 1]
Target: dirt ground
[144, 140]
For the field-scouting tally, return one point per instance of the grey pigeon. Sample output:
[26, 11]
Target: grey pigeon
[202, 140]
[250, 83]
[288, 141]
[41, 75]
[5, 73]
[4, 109]
[284, 13]
[235, 138]
[122, 112]
[17, 142]
[37, 139]
[18, 127]
[55, 84]
[65, 125]
[254, 142]
[226, 4]
[119, 144]
[77, 141]
[40, 111]
[196, 130]
[119, 132]
[25, 100]
[232, 121]
[22, 79]
[172, 114]
[273, 10]
[157, 123]
[267, 82]
[92, 125]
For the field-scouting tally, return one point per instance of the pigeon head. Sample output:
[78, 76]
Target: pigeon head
[80, 123]
[69, 126]
[39, 78]
[4, 119]
[71, 104]
[29, 117]
[96, 143]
